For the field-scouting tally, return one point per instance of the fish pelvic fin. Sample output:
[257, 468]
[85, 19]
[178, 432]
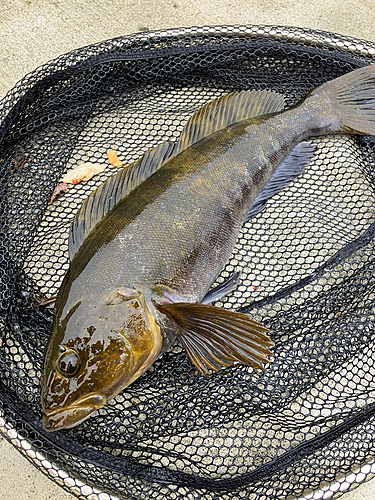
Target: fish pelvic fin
[223, 289]
[353, 98]
[214, 337]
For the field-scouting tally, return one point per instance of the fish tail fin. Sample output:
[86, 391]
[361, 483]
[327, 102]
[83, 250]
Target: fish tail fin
[353, 100]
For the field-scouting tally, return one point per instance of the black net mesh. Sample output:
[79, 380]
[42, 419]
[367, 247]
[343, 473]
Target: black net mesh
[307, 266]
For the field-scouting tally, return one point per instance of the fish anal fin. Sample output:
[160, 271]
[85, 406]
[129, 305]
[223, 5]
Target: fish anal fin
[288, 171]
[214, 337]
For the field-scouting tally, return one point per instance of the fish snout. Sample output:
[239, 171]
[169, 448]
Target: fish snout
[70, 416]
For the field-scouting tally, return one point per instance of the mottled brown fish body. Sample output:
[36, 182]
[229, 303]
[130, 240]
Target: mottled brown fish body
[180, 226]
[147, 245]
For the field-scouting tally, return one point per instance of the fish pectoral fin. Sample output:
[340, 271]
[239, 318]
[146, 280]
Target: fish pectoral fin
[223, 289]
[289, 169]
[214, 337]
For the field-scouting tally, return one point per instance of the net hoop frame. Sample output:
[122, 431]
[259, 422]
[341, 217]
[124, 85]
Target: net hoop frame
[295, 35]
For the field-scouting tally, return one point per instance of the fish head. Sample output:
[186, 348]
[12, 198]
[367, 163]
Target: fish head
[96, 350]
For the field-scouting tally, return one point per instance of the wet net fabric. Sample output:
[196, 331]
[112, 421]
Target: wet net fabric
[307, 265]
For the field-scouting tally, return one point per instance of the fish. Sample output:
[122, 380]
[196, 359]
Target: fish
[146, 246]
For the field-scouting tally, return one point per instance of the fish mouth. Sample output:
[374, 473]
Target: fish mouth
[70, 416]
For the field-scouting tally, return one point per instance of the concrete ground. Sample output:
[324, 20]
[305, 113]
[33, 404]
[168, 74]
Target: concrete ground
[35, 31]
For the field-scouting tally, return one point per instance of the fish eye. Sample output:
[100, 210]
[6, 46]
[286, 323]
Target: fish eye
[68, 364]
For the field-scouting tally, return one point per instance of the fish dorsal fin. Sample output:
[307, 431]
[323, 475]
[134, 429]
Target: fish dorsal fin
[211, 118]
[113, 190]
[225, 111]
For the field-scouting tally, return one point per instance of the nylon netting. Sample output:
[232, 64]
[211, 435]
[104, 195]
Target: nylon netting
[307, 266]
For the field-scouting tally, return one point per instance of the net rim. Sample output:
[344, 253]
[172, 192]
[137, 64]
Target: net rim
[291, 34]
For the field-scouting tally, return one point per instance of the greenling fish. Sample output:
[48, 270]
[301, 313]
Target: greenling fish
[146, 246]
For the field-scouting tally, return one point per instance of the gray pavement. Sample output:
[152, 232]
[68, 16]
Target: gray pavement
[33, 32]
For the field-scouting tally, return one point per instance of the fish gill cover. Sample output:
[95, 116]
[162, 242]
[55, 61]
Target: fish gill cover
[307, 264]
